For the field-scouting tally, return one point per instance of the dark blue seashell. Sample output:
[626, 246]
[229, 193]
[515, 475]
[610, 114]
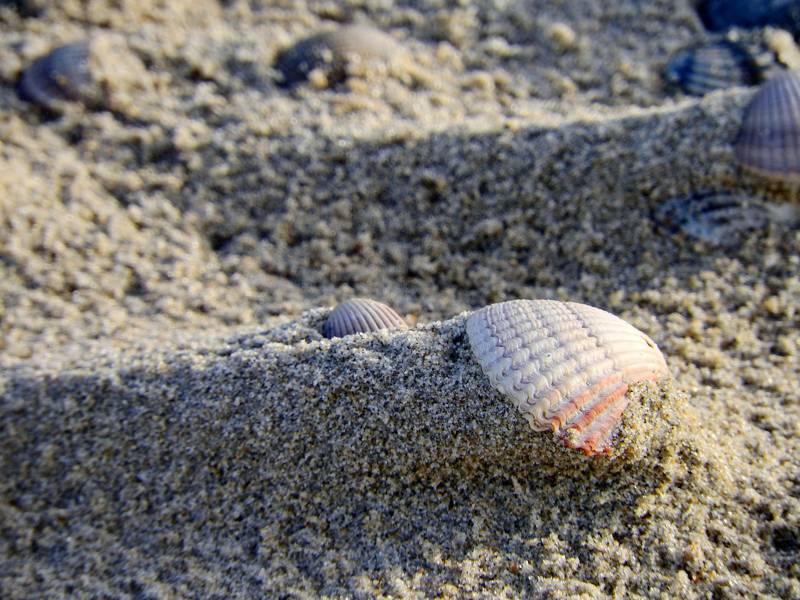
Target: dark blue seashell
[719, 15]
[769, 139]
[27, 8]
[62, 76]
[719, 219]
[700, 70]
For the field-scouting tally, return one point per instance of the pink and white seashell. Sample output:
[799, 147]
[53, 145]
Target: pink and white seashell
[566, 366]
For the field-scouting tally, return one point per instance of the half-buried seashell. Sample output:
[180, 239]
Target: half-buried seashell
[769, 140]
[721, 219]
[361, 315]
[62, 76]
[333, 52]
[718, 15]
[565, 366]
[716, 66]
[27, 8]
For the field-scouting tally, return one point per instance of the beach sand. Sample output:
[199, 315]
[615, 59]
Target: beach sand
[175, 425]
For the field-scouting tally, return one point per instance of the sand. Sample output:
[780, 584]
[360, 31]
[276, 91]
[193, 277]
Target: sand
[173, 422]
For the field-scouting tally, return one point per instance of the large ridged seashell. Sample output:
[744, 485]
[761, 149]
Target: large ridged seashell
[62, 76]
[566, 366]
[361, 315]
[721, 219]
[332, 52]
[769, 139]
[719, 15]
[700, 70]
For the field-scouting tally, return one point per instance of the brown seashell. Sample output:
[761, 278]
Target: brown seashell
[332, 52]
[361, 315]
[566, 366]
[62, 76]
[769, 140]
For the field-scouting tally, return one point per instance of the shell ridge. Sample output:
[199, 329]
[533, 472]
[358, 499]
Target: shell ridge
[611, 391]
[350, 321]
[373, 316]
[793, 96]
[780, 128]
[502, 345]
[597, 438]
[583, 402]
[582, 319]
[524, 390]
[354, 319]
[553, 402]
[541, 379]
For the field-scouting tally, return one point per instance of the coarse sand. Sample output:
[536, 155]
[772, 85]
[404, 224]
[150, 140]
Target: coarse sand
[174, 424]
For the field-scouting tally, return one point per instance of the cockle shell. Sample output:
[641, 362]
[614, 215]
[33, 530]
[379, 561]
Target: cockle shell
[719, 65]
[361, 315]
[769, 139]
[64, 75]
[331, 52]
[565, 366]
[721, 219]
[718, 15]
[27, 8]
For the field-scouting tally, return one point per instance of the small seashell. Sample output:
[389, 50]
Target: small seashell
[721, 219]
[27, 8]
[361, 315]
[719, 15]
[700, 70]
[333, 52]
[62, 76]
[769, 139]
[565, 366]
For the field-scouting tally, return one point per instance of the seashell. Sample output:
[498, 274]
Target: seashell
[700, 70]
[361, 315]
[27, 8]
[565, 366]
[769, 139]
[332, 53]
[719, 15]
[62, 76]
[721, 219]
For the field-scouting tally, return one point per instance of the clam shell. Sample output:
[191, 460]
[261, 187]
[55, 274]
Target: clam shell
[700, 70]
[332, 51]
[718, 15]
[62, 76]
[27, 8]
[361, 315]
[769, 139]
[721, 219]
[565, 366]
